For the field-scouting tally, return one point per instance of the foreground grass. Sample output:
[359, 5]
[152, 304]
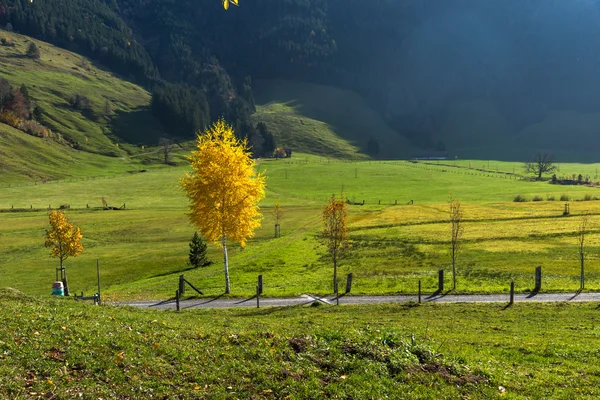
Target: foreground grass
[62, 349]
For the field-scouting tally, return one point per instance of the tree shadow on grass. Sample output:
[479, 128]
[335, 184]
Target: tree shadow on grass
[577, 293]
[173, 272]
[438, 294]
[204, 302]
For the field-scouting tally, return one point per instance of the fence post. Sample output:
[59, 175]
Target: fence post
[419, 291]
[98, 274]
[440, 280]
[349, 283]
[260, 284]
[177, 299]
[337, 296]
[538, 279]
[512, 293]
[257, 296]
[181, 285]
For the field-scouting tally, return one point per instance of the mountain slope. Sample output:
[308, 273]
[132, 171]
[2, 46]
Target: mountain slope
[117, 124]
[58, 75]
[29, 159]
[324, 120]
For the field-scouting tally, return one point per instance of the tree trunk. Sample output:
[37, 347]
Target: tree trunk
[582, 282]
[63, 273]
[334, 273]
[226, 262]
[453, 273]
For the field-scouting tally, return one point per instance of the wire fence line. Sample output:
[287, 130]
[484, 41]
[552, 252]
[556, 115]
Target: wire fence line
[89, 178]
[415, 164]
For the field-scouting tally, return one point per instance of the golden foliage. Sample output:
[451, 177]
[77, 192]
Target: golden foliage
[222, 188]
[335, 230]
[279, 152]
[226, 3]
[9, 118]
[35, 129]
[64, 238]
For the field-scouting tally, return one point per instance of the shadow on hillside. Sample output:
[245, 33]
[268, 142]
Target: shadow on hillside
[137, 127]
[17, 56]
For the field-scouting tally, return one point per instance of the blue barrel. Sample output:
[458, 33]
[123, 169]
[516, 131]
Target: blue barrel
[58, 289]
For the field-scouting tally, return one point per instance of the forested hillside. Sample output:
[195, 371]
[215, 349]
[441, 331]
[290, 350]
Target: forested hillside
[415, 62]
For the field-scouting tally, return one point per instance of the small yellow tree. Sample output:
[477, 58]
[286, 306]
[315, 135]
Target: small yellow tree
[223, 189]
[64, 240]
[335, 231]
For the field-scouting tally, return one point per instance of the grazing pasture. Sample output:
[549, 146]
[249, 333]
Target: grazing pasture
[143, 248]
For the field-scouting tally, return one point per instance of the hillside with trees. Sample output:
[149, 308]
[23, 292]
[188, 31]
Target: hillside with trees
[54, 106]
[468, 77]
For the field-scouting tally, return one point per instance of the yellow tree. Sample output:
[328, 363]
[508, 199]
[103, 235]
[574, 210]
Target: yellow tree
[335, 231]
[223, 189]
[64, 240]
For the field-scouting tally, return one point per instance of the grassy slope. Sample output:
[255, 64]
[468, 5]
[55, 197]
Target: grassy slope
[142, 249]
[24, 158]
[52, 80]
[323, 120]
[60, 348]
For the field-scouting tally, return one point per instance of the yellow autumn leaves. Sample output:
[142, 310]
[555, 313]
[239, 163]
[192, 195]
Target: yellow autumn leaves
[227, 2]
[222, 187]
[62, 237]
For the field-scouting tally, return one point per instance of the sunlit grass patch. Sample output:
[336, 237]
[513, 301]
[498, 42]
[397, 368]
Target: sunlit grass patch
[514, 246]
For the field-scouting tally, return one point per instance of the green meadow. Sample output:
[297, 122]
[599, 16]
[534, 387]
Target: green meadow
[394, 245]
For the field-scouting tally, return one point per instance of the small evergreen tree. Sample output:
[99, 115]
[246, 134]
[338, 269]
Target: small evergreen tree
[198, 252]
[268, 146]
[107, 109]
[25, 91]
[38, 113]
[33, 51]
